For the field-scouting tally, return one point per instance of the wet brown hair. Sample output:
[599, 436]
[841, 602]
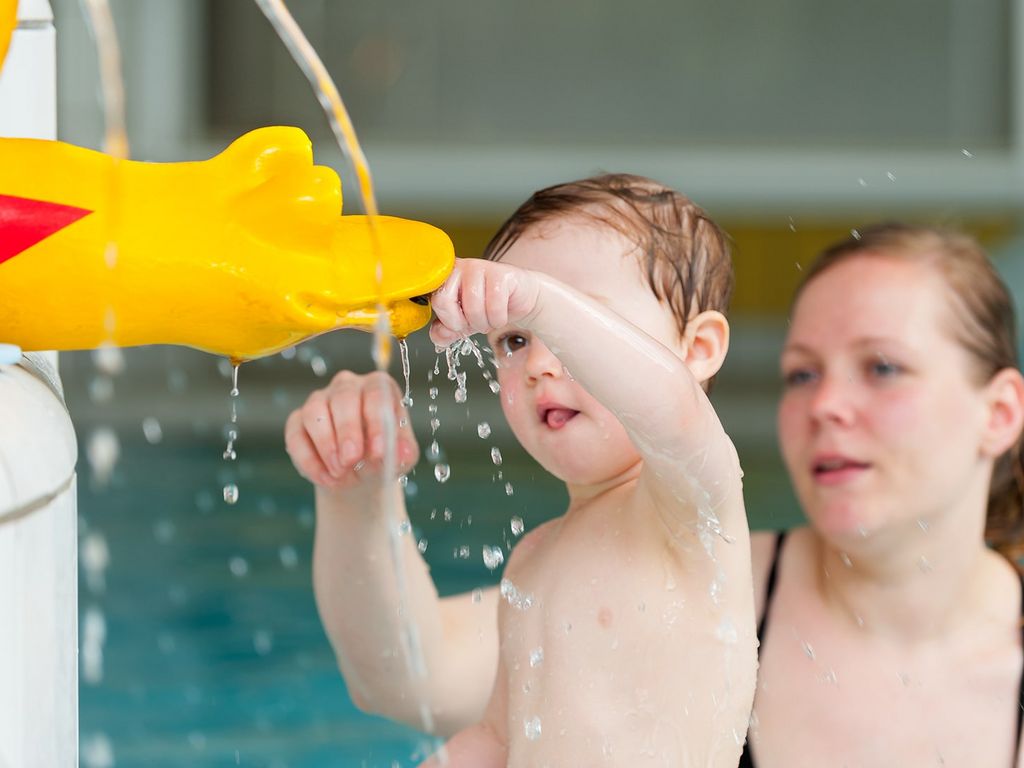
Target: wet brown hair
[983, 322]
[684, 254]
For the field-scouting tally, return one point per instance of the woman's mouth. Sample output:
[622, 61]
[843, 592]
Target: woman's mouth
[832, 470]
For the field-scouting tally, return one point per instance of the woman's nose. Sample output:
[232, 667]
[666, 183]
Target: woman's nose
[834, 399]
[541, 362]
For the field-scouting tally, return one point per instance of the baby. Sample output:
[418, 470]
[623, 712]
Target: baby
[624, 632]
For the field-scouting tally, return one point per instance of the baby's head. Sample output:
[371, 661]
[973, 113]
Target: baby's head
[681, 253]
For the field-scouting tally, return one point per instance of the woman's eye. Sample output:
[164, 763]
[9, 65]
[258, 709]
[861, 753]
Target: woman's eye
[511, 342]
[884, 369]
[797, 377]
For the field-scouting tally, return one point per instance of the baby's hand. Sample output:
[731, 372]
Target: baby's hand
[336, 439]
[480, 296]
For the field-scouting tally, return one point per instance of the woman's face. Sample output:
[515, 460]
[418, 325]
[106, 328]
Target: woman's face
[881, 417]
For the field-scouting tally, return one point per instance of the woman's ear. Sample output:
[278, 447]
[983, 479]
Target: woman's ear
[1005, 400]
[707, 341]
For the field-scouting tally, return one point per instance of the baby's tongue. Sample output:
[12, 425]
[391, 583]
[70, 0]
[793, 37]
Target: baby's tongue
[557, 417]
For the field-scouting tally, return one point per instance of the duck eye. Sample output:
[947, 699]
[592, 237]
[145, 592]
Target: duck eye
[423, 300]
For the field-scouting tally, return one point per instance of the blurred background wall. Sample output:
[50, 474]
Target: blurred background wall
[791, 121]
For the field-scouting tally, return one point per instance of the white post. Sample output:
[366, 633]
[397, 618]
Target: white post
[38, 504]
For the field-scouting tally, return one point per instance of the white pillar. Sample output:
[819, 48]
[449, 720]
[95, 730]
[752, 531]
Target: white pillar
[38, 505]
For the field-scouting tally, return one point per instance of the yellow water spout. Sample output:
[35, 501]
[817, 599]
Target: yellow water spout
[241, 255]
[8, 21]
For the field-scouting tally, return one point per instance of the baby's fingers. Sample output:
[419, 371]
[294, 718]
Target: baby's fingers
[319, 427]
[346, 408]
[303, 453]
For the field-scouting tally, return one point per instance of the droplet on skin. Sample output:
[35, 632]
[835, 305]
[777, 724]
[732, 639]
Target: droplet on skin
[536, 656]
[532, 728]
[478, 595]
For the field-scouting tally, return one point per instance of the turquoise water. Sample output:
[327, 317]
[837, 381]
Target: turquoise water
[214, 652]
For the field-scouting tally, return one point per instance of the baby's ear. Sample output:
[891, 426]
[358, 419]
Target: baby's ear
[707, 341]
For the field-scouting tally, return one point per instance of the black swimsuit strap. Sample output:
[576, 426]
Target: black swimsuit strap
[1020, 690]
[769, 592]
[747, 758]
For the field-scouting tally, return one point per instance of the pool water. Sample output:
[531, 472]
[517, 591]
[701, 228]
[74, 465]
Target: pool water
[214, 654]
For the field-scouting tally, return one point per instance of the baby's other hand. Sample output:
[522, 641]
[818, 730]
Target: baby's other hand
[480, 296]
[336, 439]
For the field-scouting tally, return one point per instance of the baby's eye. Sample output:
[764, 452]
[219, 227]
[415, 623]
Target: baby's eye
[511, 342]
[798, 377]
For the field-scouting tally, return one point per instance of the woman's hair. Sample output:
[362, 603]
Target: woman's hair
[683, 253]
[982, 321]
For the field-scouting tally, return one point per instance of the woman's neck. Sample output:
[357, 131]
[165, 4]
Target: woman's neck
[913, 585]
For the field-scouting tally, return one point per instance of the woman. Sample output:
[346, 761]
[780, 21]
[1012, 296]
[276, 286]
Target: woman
[890, 633]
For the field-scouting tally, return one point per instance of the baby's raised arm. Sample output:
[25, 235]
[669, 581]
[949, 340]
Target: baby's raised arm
[336, 441]
[653, 392]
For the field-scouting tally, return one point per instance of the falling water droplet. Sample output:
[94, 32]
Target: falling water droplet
[319, 366]
[231, 493]
[442, 472]
[493, 557]
[403, 350]
[516, 524]
[509, 490]
[483, 429]
[496, 456]
[152, 431]
[239, 566]
[288, 555]
[102, 451]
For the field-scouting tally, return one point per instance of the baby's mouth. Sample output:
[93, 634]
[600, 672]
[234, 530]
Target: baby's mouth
[556, 418]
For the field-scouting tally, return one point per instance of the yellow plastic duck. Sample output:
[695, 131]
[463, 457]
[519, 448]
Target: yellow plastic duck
[8, 20]
[241, 255]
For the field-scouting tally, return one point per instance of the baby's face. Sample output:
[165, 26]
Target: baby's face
[571, 434]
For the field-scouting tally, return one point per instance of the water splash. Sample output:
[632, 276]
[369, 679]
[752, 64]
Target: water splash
[403, 350]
